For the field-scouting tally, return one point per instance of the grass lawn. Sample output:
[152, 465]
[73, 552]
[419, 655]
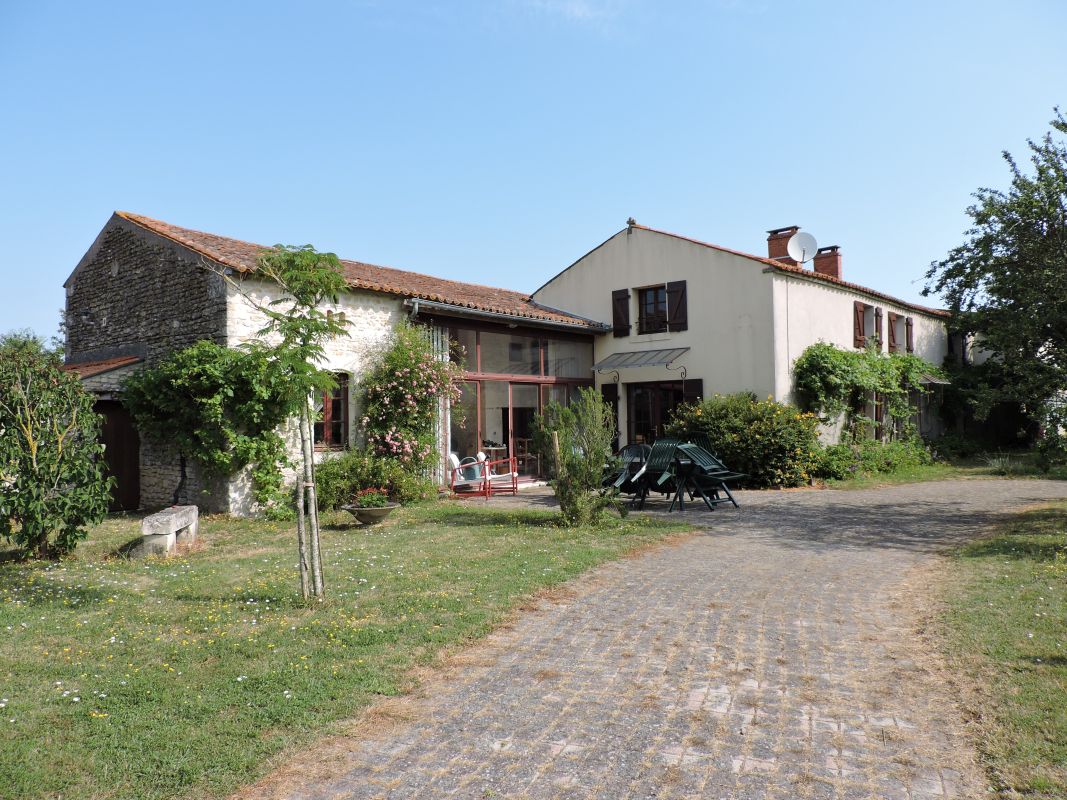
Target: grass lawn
[994, 465]
[178, 677]
[1006, 618]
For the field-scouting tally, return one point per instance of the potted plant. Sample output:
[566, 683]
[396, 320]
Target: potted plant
[370, 506]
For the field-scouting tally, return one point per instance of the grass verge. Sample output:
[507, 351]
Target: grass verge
[1006, 621]
[989, 465]
[180, 677]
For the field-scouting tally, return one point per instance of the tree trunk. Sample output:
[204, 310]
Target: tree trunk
[313, 501]
[313, 513]
[301, 539]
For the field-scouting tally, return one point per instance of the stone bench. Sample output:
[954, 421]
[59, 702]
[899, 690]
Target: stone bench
[161, 532]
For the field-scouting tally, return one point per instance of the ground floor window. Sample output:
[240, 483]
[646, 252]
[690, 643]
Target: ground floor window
[650, 406]
[496, 418]
[511, 374]
[331, 431]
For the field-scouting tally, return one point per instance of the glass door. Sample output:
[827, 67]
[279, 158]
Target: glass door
[524, 406]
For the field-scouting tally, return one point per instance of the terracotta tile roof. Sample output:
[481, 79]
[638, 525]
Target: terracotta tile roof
[241, 256]
[807, 273]
[86, 369]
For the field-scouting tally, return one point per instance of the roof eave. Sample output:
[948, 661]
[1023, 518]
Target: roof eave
[418, 304]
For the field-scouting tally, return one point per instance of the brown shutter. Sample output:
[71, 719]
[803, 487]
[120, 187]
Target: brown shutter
[677, 313]
[693, 390]
[909, 327]
[859, 339]
[893, 332]
[878, 327]
[620, 312]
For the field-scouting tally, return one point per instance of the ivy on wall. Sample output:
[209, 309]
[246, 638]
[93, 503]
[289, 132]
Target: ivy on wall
[831, 382]
[220, 407]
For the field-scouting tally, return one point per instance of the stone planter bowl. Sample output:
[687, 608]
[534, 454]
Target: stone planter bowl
[371, 516]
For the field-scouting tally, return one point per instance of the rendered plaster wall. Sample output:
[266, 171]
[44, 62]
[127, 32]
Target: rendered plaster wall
[370, 316]
[730, 315]
[807, 311]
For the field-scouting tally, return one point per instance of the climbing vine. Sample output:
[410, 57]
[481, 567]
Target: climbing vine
[831, 381]
[402, 394]
[218, 406]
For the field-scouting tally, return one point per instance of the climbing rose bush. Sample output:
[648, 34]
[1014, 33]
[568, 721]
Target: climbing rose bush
[402, 395]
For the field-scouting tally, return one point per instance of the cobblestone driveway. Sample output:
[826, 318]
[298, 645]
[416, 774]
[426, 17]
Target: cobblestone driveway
[770, 656]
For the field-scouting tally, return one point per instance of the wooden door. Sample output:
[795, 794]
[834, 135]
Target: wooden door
[122, 454]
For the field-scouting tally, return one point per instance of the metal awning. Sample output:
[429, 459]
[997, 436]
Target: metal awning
[640, 358]
[933, 379]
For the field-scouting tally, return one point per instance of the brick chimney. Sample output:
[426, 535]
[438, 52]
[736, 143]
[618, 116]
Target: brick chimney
[828, 261]
[777, 240]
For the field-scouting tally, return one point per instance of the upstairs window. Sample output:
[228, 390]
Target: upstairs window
[331, 431]
[659, 309]
[866, 325]
[652, 309]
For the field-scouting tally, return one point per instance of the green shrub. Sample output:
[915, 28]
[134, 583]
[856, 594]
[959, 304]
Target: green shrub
[583, 432]
[953, 445]
[1052, 444]
[338, 479]
[52, 475]
[838, 462]
[774, 444]
[871, 457]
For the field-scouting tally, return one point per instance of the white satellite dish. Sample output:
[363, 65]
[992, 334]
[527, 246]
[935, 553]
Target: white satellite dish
[801, 247]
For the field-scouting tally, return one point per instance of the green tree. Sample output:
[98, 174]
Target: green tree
[219, 406]
[52, 482]
[576, 442]
[299, 331]
[1007, 283]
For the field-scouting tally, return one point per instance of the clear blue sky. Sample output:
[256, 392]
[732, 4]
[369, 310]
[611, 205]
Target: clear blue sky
[496, 142]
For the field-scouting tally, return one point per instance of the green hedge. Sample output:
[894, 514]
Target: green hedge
[772, 443]
[340, 477]
[843, 461]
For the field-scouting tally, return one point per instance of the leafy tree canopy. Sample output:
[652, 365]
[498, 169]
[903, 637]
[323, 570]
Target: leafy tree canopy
[218, 406]
[1007, 283]
[52, 482]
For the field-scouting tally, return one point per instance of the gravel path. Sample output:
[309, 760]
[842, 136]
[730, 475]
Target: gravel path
[770, 656]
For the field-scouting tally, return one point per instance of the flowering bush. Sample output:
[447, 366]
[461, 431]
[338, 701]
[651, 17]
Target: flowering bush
[772, 443]
[402, 396]
[371, 497]
[340, 478]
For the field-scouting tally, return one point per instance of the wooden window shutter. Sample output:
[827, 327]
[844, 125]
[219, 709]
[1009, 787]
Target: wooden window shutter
[620, 312]
[859, 339]
[892, 320]
[693, 391]
[677, 313]
[878, 327]
[909, 327]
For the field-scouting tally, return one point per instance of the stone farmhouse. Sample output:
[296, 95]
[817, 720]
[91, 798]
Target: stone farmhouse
[649, 317]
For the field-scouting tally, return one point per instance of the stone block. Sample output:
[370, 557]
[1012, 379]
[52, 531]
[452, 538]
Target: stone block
[156, 544]
[170, 520]
[187, 535]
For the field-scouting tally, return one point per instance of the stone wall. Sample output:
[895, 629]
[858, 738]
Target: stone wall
[137, 293]
[370, 317]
